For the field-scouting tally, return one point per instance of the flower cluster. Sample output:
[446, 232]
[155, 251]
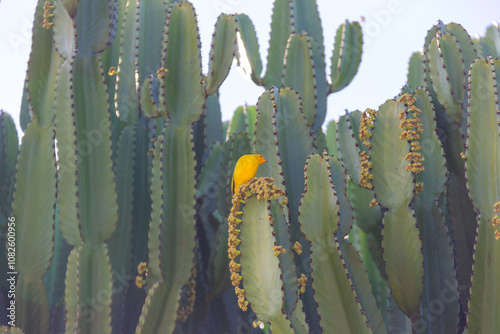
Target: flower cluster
[412, 128]
[161, 72]
[365, 177]
[496, 221]
[142, 271]
[262, 188]
[256, 323]
[419, 186]
[297, 247]
[373, 203]
[302, 283]
[278, 250]
[365, 127]
[47, 7]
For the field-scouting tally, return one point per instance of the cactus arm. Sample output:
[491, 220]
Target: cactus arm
[493, 34]
[298, 73]
[361, 282]
[218, 274]
[292, 304]
[97, 195]
[461, 216]
[237, 145]
[403, 258]
[306, 18]
[447, 73]
[380, 288]
[265, 140]
[319, 217]
[348, 148]
[339, 180]
[9, 148]
[176, 219]
[182, 92]
[281, 28]
[322, 85]
[126, 97]
[295, 144]
[25, 115]
[64, 32]
[156, 209]
[222, 52]
[435, 174]
[149, 107]
[469, 52]
[393, 186]
[247, 48]
[141, 208]
[207, 177]
[490, 43]
[43, 64]
[110, 58]
[259, 266]
[94, 262]
[34, 214]
[36, 174]
[439, 266]
[32, 303]
[71, 290]
[355, 122]
[346, 55]
[319, 206]
[251, 119]
[416, 74]
[483, 142]
[212, 121]
[55, 276]
[119, 244]
[238, 122]
[153, 305]
[94, 26]
[66, 145]
[483, 173]
[331, 139]
[152, 20]
[367, 218]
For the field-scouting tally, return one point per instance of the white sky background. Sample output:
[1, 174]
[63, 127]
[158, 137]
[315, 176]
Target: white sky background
[393, 30]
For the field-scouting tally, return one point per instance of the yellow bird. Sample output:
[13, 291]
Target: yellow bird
[246, 168]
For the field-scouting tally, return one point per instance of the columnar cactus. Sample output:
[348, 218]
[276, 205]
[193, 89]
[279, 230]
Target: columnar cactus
[130, 225]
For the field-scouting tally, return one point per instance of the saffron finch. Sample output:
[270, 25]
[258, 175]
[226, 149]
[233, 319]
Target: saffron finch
[246, 168]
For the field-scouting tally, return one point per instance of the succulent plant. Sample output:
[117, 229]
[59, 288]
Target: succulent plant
[120, 190]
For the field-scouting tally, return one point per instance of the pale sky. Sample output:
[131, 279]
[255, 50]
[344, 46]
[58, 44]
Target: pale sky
[393, 29]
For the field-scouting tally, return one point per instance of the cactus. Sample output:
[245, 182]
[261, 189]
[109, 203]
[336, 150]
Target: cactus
[134, 228]
[483, 146]
[296, 56]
